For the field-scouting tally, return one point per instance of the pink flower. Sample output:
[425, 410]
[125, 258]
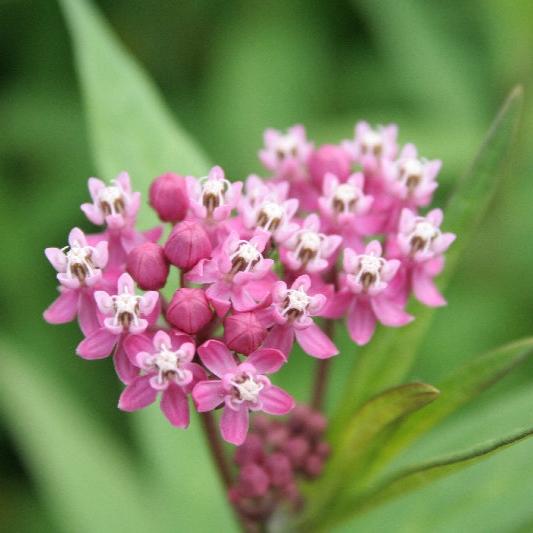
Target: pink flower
[126, 313]
[115, 205]
[79, 268]
[371, 146]
[411, 179]
[368, 293]
[213, 197]
[329, 159]
[292, 310]
[309, 249]
[235, 274]
[421, 244]
[167, 368]
[242, 387]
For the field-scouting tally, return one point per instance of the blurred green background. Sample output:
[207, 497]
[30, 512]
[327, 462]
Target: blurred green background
[228, 70]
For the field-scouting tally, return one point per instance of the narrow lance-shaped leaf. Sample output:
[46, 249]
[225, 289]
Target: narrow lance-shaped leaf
[359, 437]
[87, 479]
[464, 385]
[418, 476]
[387, 359]
[131, 129]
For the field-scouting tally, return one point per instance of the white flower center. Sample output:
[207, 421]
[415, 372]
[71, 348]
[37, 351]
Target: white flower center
[126, 308]
[345, 197]
[111, 200]
[369, 270]
[270, 216]
[372, 143]
[296, 303]
[309, 243]
[423, 234]
[246, 388]
[245, 257]
[411, 171]
[79, 261]
[213, 192]
[287, 145]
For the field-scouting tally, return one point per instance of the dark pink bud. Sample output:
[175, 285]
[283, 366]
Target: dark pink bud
[250, 451]
[254, 481]
[297, 449]
[280, 469]
[313, 465]
[148, 266]
[299, 416]
[243, 332]
[329, 158]
[277, 435]
[316, 424]
[189, 310]
[168, 196]
[323, 449]
[187, 244]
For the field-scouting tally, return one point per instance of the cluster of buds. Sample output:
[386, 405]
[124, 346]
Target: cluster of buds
[274, 456]
[334, 231]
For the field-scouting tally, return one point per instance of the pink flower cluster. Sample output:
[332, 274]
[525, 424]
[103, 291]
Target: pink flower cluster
[334, 231]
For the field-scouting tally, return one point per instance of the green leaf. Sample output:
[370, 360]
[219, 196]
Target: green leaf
[360, 436]
[87, 479]
[129, 125]
[132, 129]
[418, 476]
[389, 356]
[465, 384]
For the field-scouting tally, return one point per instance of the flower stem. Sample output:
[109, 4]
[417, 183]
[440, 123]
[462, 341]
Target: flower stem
[322, 373]
[216, 448]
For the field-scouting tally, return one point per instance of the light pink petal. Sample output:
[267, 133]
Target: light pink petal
[218, 295]
[443, 242]
[361, 322]
[266, 360]
[407, 220]
[315, 342]
[124, 368]
[125, 284]
[102, 254]
[217, 358]
[95, 187]
[87, 313]
[97, 345]
[148, 302]
[175, 406]
[161, 338]
[234, 425]
[435, 216]
[425, 290]
[374, 248]
[93, 214]
[134, 344]
[77, 237]
[280, 337]
[312, 222]
[208, 395]
[57, 258]
[330, 245]
[302, 282]
[63, 309]
[276, 401]
[103, 301]
[389, 313]
[137, 394]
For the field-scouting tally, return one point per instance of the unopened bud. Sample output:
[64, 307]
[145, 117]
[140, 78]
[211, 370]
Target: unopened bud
[189, 310]
[243, 332]
[280, 469]
[148, 266]
[329, 158]
[187, 244]
[168, 196]
[253, 480]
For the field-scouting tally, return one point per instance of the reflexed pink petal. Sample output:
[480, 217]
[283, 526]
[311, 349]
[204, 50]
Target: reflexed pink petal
[234, 425]
[280, 337]
[266, 360]
[315, 342]
[161, 338]
[361, 322]
[63, 309]
[175, 406]
[134, 344]
[126, 284]
[425, 290]
[148, 302]
[389, 313]
[198, 374]
[87, 313]
[124, 368]
[208, 395]
[276, 401]
[217, 358]
[97, 345]
[57, 258]
[137, 394]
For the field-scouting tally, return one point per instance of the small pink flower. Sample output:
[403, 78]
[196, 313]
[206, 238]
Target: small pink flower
[78, 264]
[329, 159]
[292, 311]
[242, 387]
[421, 244]
[367, 292]
[309, 249]
[213, 197]
[371, 146]
[126, 313]
[167, 368]
[411, 179]
[235, 274]
[115, 205]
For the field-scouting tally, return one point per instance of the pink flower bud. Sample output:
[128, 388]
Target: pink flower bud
[297, 449]
[148, 266]
[187, 244]
[168, 196]
[243, 332]
[280, 469]
[189, 310]
[329, 158]
[313, 465]
[316, 424]
[254, 480]
[250, 451]
[323, 449]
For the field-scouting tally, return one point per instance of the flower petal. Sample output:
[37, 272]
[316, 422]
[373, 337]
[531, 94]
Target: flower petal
[234, 425]
[390, 313]
[175, 406]
[87, 313]
[216, 357]
[134, 344]
[97, 345]
[137, 394]
[361, 322]
[425, 290]
[315, 342]
[124, 368]
[267, 360]
[280, 337]
[276, 401]
[208, 395]
[63, 309]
